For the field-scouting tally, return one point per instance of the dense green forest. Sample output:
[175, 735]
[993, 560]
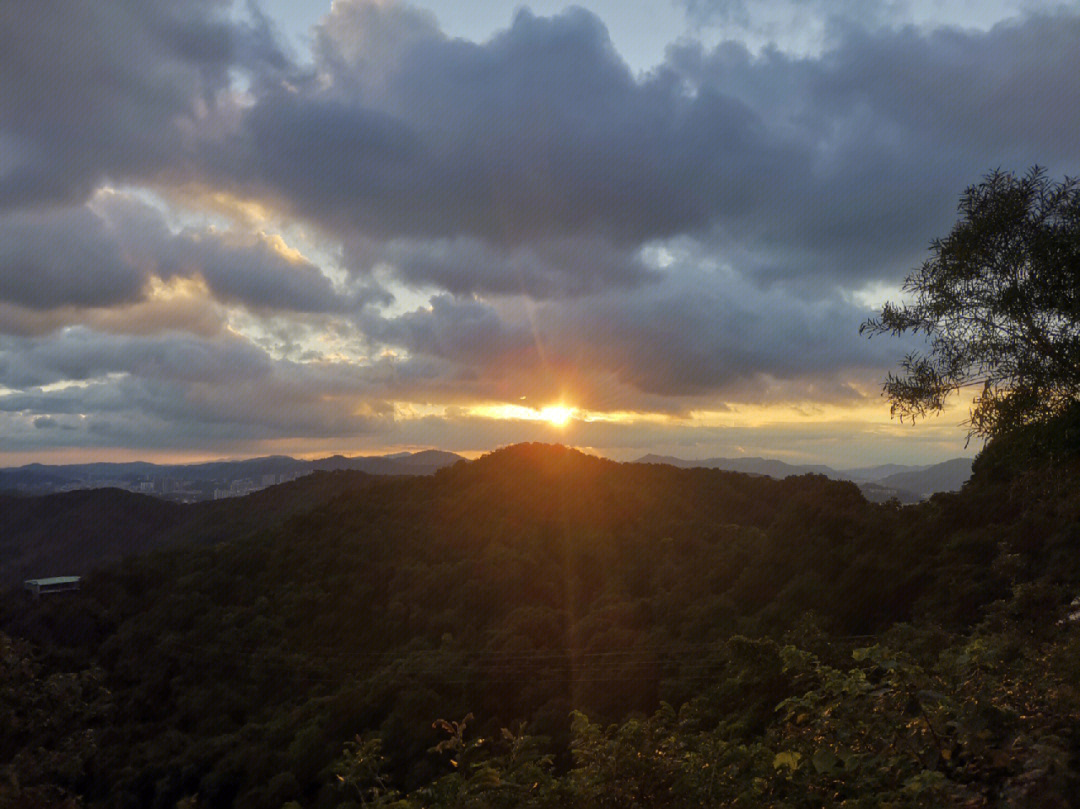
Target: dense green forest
[544, 628]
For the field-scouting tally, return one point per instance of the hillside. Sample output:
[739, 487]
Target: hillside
[308, 660]
[76, 532]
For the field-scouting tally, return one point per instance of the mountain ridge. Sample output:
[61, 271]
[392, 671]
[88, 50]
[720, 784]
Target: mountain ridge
[907, 483]
[43, 478]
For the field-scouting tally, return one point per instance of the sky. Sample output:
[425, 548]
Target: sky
[230, 230]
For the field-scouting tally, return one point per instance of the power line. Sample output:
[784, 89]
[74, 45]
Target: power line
[683, 662]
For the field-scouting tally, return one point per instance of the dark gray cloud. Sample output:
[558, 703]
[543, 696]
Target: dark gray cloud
[1004, 90]
[464, 331]
[63, 257]
[541, 132]
[697, 333]
[80, 355]
[891, 126]
[227, 362]
[78, 257]
[91, 90]
[468, 156]
[477, 160]
[554, 268]
[114, 386]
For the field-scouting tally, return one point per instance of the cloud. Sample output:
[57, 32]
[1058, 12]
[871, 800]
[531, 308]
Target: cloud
[176, 307]
[794, 440]
[180, 390]
[108, 255]
[691, 237]
[483, 167]
[889, 126]
[469, 165]
[79, 355]
[791, 20]
[93, 90]
[63, 257]
[462, 266]
[1003, 90]
[250, 268]
[540, 132]
[700, 333]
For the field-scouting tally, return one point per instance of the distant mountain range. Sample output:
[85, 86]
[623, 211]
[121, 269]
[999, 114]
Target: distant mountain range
[908, 484]
[206, 481]
[203, 479]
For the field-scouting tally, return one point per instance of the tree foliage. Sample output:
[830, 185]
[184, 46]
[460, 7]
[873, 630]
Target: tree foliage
[303, 665]
[999, 301]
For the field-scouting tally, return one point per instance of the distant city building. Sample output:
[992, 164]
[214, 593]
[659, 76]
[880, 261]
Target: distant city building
[56, 584]
[242, 486]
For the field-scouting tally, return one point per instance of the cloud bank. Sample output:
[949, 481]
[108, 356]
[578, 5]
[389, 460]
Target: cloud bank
[205, 237]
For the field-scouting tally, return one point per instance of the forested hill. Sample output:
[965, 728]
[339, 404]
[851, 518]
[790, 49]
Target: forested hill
[646, 635]
[73, 533]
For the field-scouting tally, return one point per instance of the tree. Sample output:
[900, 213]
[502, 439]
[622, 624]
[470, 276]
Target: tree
[999, 301]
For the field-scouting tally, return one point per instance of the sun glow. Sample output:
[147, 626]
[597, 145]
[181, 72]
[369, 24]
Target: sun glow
[556, 415]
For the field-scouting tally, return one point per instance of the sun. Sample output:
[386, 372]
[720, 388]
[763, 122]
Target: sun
[556, 415]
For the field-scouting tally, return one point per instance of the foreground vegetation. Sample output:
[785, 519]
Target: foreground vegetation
[543, 628]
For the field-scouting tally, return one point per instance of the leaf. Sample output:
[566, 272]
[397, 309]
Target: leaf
[927, 780]
[824, 760]
[788, 758]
